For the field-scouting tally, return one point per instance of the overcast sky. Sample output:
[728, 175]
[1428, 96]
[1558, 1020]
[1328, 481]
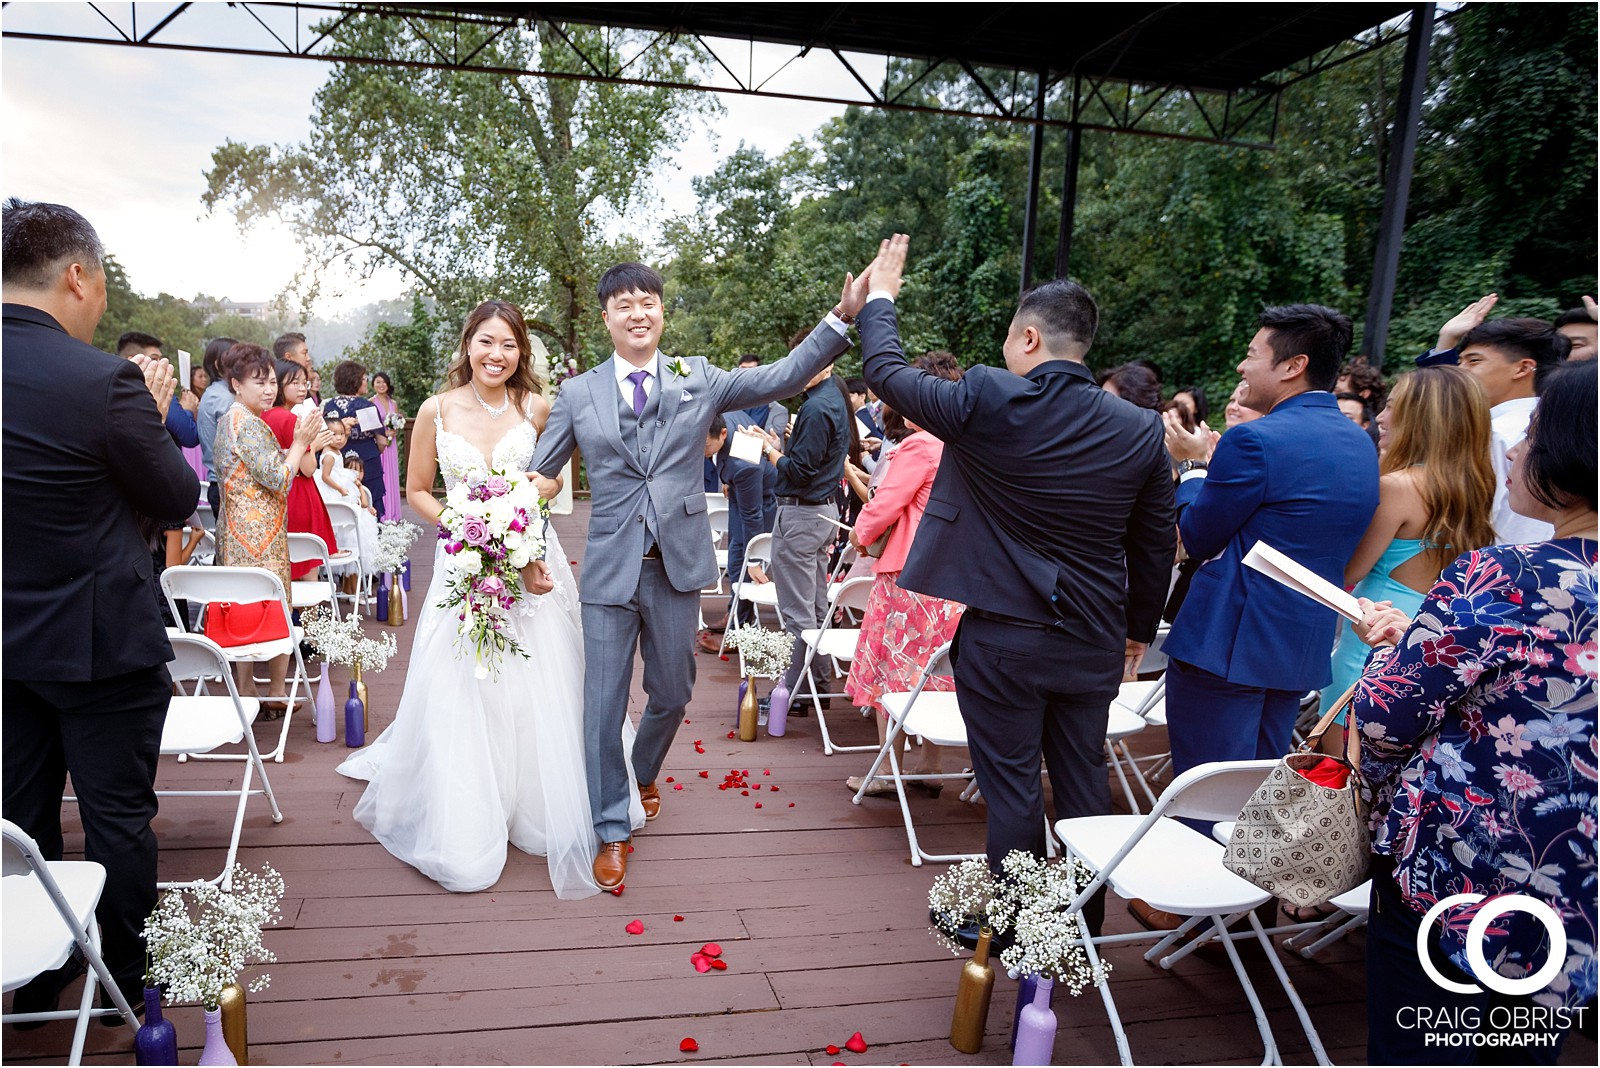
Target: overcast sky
[125, 135]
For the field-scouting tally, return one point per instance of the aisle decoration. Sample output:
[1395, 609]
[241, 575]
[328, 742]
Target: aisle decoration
[395, 539]
[1025, 910]
[763, 653]
[492, 528]
[200, 938]
[341, 641]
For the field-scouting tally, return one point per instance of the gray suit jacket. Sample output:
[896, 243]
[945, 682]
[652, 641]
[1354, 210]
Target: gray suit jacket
[585, 416]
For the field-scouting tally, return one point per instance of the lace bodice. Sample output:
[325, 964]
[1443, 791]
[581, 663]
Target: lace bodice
[459, 459]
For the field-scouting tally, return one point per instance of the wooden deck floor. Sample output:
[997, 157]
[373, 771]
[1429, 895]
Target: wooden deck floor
[821, 916]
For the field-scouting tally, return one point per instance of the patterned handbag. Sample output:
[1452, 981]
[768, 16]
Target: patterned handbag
[1299, 840]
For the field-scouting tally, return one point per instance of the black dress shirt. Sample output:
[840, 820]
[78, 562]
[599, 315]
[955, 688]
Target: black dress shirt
[813, 465]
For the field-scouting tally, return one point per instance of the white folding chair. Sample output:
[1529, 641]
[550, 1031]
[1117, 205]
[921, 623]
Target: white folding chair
[352, 550]
[1137, 705]
[758, 550]
[33, 941]
[839, 645]
[1178, 869]
[207, 585]
[307, 593]
[716, 502]
[198, 723]
[929, 715]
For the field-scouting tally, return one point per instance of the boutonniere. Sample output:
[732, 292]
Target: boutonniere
[678, 367]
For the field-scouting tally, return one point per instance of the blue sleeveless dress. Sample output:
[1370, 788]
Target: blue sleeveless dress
[1350, 655]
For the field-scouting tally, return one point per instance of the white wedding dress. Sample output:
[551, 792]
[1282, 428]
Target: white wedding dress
[469, 765]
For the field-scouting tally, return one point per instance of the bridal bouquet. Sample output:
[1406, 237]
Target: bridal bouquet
[200, 936]
[492, 528]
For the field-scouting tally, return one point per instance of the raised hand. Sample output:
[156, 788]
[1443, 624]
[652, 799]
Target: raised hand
[159, 380]
[854, 294]
[308, 427]
[1185, 444]
[1590, 307]
[1451, 333]
[889, 268]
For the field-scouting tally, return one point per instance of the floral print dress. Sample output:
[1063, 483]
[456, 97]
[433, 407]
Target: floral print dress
[1478, 740]
[254, 530]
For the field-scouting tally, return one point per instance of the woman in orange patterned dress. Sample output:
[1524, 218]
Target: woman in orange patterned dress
[256, 474]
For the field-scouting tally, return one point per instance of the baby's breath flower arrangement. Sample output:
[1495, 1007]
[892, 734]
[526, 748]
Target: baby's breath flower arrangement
[762, 652]
[1028, 900]
[395, 539]
[201, 937]
[341, 641]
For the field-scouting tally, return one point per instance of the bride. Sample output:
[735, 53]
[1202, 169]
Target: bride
[469, 765]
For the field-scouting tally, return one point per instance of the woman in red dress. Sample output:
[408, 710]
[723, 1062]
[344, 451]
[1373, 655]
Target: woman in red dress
[307, 513]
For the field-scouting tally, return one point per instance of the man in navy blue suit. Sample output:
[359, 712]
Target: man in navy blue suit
[1052, 519]
[1303, 479]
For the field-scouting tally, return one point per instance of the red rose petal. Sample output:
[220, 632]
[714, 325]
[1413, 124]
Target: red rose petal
[723, 658]
[677, 786]
[791, 804]
[774, 789]
[731, 734]
[758, 804]
[618, 891]
[635, 928]
[677, 919]
[711, 949]
[705, 775]
[856, 1043]
[701, 962]
[688, 1045]
[746, 793]
[687, 722]
[630, 849]
[766, 771]
[832, 1050]
[670, 779]
[720, 965]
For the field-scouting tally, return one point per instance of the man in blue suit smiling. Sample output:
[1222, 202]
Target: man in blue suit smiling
[1304, 479]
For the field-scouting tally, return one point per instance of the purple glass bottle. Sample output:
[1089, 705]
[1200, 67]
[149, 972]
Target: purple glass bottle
[1025, 988]
[382, 609]
[744, 687]
[322, 713]
[157, 1040]
[778, 709]
[1036, 1029]
[355, 730]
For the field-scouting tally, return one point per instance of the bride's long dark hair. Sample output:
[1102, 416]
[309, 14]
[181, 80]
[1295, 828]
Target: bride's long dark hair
[524, 380]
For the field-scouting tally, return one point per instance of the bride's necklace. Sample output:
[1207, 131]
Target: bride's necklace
[494, 413]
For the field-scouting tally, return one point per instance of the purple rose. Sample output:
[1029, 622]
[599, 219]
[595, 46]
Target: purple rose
[475, 531]
[492, 586]
[497, 485]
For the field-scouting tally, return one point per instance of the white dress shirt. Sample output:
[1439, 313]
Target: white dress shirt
[1508, 424]
[622, 369]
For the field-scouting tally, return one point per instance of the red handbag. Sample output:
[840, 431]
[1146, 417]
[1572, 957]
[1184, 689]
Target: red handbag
[235, 623]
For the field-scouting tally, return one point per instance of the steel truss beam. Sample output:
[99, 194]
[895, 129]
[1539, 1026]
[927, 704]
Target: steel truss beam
[460, 40]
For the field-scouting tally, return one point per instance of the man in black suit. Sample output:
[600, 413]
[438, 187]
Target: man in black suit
[85, 684]
[1052, 519]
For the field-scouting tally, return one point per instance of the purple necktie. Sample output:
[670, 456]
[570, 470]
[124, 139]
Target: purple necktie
[637, 378]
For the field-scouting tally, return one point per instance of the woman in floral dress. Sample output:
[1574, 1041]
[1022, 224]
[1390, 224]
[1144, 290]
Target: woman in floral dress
[901, 628]
[1477, 726]
[256, 475]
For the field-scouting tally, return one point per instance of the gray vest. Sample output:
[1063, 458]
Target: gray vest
[638, 435]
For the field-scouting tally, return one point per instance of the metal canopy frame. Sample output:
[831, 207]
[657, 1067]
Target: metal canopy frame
[1156, 70]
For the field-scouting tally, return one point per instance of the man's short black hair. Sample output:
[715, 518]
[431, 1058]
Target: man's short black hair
[856, 385]
[1365, 378]
[1561, 461]
[1063, 312]
[285, 342]
[1320, 333]
[137, 339]
[629, 278]
[37, 239]
[1522, 339]
[1574, 317]
[753, 358]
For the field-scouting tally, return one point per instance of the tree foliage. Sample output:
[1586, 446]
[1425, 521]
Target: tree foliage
[474, 185]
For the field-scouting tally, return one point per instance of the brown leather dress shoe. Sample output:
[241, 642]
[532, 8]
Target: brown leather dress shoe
[650, 798]
[1154, 919]
[611, 864]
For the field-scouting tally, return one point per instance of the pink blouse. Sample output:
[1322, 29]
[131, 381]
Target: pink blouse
[900, 500]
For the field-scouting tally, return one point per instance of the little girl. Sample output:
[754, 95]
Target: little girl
[332, 479]
[339, 480]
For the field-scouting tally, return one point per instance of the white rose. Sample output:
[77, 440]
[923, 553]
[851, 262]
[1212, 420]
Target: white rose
[520, 557]
[469, 562]
[456, 498]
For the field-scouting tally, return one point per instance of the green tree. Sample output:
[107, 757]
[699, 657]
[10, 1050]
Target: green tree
[415, 354]
[474, 185]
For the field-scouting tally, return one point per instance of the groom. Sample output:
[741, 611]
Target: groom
[640, 420]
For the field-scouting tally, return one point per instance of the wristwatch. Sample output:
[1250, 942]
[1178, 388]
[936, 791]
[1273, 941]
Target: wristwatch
[1185, 466]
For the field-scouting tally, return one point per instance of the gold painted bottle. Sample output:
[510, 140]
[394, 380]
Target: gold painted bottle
[234, 1026]
[747, 712]
[972, 998]
[396, 613]
[361, 693]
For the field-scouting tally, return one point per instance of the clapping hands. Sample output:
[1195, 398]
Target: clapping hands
[159, 380]
[1183, 444]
